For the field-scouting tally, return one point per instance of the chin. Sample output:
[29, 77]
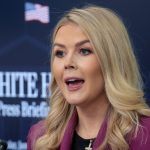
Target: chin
[75, 102]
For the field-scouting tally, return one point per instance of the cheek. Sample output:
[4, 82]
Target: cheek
[96, 76]
[57, 70]
[94, 73]
[91, 67]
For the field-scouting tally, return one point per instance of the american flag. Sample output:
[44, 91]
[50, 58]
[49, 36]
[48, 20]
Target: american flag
[36, 12]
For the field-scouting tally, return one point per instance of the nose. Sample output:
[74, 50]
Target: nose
[70, 62]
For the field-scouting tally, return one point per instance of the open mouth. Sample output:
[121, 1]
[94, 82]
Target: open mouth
[74, 83]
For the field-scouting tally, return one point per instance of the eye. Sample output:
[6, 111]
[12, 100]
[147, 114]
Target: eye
[85, 51]
[59, 53]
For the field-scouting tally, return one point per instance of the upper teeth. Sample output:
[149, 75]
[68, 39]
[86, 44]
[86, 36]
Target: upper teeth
[70, 80]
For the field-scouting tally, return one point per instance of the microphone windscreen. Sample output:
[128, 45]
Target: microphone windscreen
[3, 145]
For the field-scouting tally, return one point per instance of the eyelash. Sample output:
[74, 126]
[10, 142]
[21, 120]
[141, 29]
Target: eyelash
[85, 50]
[61, 53]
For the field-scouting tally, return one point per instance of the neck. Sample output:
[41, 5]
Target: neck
[91, 118]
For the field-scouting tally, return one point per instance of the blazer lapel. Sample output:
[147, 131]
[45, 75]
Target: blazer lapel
[101, 135]
[68, 135]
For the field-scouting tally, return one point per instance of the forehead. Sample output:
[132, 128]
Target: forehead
[70, 31]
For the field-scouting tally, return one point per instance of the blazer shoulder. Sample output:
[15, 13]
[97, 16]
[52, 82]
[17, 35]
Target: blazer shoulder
[36, 131]
[142, 140]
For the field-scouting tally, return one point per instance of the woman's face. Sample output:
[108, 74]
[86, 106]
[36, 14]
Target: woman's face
[76, 68]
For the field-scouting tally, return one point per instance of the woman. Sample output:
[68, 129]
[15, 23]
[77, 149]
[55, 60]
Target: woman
[96, 92]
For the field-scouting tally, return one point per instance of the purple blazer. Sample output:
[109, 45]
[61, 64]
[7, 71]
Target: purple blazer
[36, 131]
[141, 142]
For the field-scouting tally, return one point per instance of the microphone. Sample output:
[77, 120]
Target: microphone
[3, 145]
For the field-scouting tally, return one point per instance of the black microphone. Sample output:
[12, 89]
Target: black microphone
[3, 145]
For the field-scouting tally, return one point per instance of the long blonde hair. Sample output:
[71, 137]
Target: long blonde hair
[123, 84]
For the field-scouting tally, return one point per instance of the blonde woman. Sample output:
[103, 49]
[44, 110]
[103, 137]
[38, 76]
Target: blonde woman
[96, 93]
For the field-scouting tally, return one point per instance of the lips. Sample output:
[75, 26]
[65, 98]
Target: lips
[74, 83]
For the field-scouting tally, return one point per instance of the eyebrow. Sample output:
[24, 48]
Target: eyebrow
[77, 44]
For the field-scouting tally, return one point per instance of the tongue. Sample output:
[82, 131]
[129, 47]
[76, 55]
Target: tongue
[75, 85]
